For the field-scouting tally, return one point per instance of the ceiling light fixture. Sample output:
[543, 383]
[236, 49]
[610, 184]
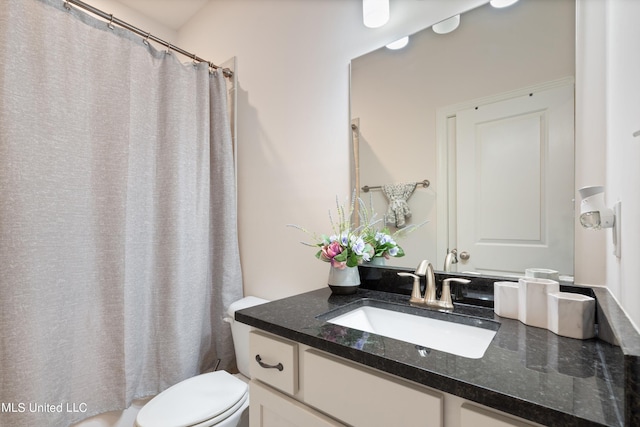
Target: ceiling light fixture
[446, 26]
[502, 3]
[375, 13]
[398, 44]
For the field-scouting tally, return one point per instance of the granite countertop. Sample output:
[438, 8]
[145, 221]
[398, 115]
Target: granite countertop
[526, 371]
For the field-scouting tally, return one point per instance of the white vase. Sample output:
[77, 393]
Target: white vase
[344, 281]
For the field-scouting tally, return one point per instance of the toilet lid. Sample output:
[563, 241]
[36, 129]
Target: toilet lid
[193, 401]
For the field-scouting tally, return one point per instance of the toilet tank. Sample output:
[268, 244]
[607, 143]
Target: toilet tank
[240, 332]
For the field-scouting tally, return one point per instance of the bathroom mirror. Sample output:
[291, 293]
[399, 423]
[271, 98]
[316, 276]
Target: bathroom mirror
[504, 79]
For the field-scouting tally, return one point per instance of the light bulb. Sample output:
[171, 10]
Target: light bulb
[398, 44]
[502, 3]
[446, 26]
[375, 13]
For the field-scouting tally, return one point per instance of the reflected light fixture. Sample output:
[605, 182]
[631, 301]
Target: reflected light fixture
[398, 44]
[446, 26]
[502, 3]
[375, 13]
[595, 215]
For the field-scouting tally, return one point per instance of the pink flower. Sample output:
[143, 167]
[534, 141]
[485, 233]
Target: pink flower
[331, 250]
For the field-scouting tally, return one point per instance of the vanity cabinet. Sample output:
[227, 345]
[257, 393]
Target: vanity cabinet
[295, 385]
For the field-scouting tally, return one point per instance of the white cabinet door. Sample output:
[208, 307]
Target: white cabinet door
[270, 408]
[515, 183]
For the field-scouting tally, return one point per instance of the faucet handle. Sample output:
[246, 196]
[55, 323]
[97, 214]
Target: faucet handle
[416, 296]
[445, 298]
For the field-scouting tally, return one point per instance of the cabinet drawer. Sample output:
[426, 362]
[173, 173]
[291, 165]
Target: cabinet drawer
[363, 397]
[274, 361]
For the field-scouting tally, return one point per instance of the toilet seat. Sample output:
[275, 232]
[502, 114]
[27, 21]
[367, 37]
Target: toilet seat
[203, 400]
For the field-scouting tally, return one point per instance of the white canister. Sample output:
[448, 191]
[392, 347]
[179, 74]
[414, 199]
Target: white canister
[571, 315]
[532, 300]
[505, 299]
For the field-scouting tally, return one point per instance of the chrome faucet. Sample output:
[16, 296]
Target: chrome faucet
[450, 259]
[426, 269]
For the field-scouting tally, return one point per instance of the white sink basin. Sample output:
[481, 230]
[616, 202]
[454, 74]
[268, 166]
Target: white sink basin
[451, 337]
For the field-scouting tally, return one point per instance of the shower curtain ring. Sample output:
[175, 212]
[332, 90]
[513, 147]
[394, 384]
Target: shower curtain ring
[194, 60]
[111, 22]
[168, 51]
[146, 39]
[67, 5]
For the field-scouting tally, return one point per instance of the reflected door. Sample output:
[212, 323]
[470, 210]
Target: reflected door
[514, 179]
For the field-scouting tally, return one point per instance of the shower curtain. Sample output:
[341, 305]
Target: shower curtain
[118, 242]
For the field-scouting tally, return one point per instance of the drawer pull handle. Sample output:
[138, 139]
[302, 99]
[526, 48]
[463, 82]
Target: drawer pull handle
[279, 366]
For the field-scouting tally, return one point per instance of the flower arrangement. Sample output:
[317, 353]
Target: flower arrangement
[348, 246]
[383, 243]
[345, 247]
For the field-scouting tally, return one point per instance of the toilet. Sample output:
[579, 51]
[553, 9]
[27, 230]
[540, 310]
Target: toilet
[212, 399]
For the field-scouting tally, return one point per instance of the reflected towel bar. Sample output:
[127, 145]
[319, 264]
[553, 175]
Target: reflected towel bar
[424, 183]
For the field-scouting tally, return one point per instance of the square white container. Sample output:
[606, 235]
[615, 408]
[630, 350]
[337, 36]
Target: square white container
[505, 299]
[571, 315]
[532, 300]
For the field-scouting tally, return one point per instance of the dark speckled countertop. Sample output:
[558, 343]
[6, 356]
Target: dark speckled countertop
[526, 371]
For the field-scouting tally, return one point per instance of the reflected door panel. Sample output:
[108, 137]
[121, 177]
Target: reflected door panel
[514, 174]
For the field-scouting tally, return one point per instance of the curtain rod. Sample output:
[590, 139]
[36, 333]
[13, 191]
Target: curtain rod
[147, 36]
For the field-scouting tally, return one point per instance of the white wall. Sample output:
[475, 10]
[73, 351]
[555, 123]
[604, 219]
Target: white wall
[623, 150]
[293, 118]
[609, 63]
